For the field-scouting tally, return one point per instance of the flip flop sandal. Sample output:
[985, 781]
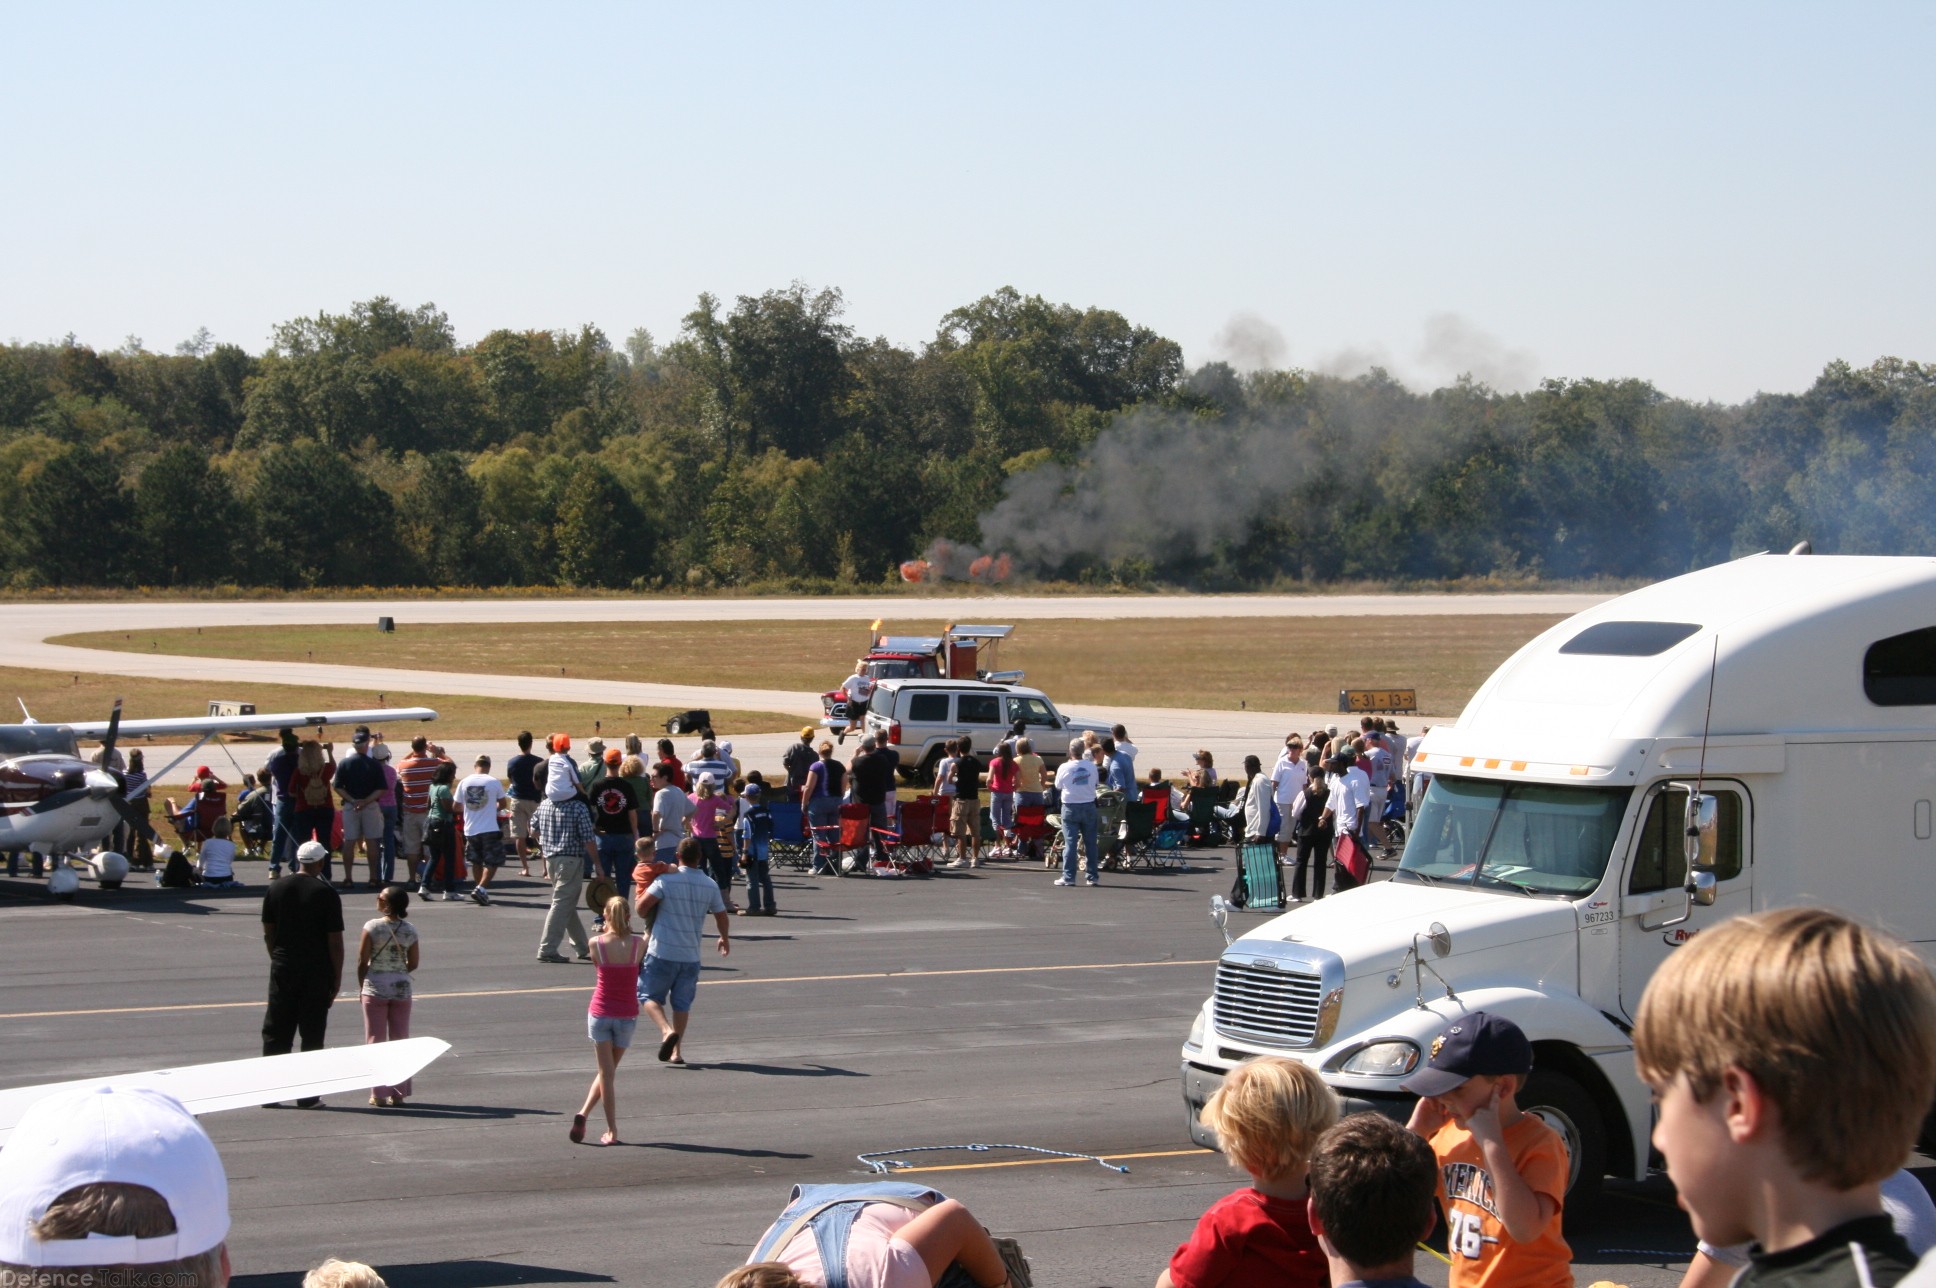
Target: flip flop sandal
[577, 1129]
[666, 1047]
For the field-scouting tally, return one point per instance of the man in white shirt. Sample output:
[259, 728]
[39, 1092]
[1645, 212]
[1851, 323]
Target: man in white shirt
[859, 688]
[1288, 777]
[479, 796]
[1350, 793]
[1075, 785]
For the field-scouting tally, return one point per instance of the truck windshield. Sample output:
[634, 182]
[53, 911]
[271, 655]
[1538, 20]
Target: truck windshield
[1535, 839]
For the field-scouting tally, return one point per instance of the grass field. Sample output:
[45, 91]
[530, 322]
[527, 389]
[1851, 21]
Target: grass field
[55, 696]
[1270, 664]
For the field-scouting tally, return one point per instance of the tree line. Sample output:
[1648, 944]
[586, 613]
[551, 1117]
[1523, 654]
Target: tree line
[769, 444]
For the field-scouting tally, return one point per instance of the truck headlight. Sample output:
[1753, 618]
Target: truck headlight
[1196, 1031]
[1393, 1059]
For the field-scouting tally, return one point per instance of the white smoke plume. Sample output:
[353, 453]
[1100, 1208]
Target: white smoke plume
[1455, 346]
[1250, 343]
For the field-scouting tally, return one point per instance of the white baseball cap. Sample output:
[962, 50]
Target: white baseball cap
[312, 852]
[126, 1135]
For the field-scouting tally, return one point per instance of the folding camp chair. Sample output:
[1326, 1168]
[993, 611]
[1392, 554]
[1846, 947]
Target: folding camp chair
[917, 843]
[1258, 862]
[1159, 795]
[1031, 828]
[1139, 825]
[790, 844]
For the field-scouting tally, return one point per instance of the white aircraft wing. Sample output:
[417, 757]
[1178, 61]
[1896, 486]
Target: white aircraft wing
[242, 724]
[238, 1084]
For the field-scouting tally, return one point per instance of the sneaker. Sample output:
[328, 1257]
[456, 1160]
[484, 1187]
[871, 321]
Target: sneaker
[450, 896]
[478, 896]
[552, 958]
[423, 892]
[974, 863]
[1093, 881]
[957, 863]
[1064, 881]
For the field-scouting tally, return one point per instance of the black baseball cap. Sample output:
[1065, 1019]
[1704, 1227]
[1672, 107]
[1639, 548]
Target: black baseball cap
[1478, 1044]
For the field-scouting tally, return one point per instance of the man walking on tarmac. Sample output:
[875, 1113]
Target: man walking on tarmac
[671, 971]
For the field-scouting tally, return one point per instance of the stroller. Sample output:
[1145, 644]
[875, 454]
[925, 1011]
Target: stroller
[1393, 818]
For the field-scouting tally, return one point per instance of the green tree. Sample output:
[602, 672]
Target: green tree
[74, 516]
[775, 368]
[318, 521]
[441, 522]
[188, 519]
[601, 533]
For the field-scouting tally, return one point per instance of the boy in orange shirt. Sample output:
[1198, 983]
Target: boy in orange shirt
[1502, 1172]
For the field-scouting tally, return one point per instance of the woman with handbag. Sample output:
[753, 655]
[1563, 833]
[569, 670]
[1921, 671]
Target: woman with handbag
[1311, 829]
[386, 958]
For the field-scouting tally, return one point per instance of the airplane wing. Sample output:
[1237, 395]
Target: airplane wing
[238, 1084]
[242, 724]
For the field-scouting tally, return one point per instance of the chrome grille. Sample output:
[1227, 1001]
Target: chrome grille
[1276, 1008]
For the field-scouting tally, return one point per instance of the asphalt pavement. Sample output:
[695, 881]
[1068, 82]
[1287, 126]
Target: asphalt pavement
[872, 1015]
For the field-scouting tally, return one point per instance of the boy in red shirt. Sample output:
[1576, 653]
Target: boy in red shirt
[1502, 1172]
[1268, 1116]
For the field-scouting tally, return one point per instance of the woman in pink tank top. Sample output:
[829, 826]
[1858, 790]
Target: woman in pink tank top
[614, 1013]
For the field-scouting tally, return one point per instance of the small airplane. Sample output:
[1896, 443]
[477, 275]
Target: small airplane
[262, 1080]
[54, 802]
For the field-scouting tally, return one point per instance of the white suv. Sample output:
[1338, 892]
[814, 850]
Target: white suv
[917, 716]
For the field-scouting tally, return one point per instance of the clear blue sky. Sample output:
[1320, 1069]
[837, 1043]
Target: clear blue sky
[1717, 197]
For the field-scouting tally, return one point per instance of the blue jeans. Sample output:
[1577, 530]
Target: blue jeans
[759, 884]
[282, 845]
[387, 852]
[615, 860]
[1078, 822]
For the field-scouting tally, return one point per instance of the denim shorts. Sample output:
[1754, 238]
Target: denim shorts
[610, 1028]
[661, 977]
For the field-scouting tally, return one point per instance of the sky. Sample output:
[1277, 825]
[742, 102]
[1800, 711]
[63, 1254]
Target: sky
[1720, 197]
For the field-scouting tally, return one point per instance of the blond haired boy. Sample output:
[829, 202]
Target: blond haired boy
[1502, 1172]
[1268, 1115]
[1792, 1056]
[343, 1274]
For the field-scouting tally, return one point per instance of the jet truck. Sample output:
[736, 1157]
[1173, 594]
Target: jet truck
[1754, 735]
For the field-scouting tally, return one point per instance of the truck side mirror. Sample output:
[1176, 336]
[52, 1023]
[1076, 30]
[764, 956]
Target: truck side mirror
[1220, 913]
[1702, 831]
[1702, 887]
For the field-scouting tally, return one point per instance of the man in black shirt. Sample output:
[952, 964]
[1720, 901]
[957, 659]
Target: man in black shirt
[873, 784]
[615, 819]
[967, 817]
[798, 760]
[302, 927]
[520, 781]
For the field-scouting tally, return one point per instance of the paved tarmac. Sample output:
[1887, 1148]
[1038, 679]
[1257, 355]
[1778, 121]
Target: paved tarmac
[986, 1007]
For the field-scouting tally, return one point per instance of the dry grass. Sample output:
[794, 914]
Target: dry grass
[59, 695]
[1272, 664]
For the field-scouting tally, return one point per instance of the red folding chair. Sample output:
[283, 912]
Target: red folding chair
[1160, 793]
[1031, 827]
[917, 833]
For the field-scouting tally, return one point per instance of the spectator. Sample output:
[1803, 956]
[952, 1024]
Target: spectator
[520, 775]
[1002, 776]
[1031, 775]
[887, 1243]
[1204, 772]
[1124, 747]
[755, 829]
[613, 1016]
[1505, 1170]
[561, 775]
[1311, 827]
[874, 788]
[859, 688]
[671, 974]
[440, 834]
[822, 791]
[215, 864]
[302, 928]
[415, 774]
[615, 816]
[712, 810]
[675, 772]
[343, 1274]
[480, 795]
[594, 767]
[967, 816]
[1268, 1116]
[1075, 785]
[281, 767]
[126, 1168]
[386, 959]
[670, 810]
[1372, 1186]
[944, 792]
[387, 802]
[141, 846]
[1257, 802]
[1792, 1057]
[567, 840]
[358, 782]
[797, 761]
[710, 761]
[1288, 777]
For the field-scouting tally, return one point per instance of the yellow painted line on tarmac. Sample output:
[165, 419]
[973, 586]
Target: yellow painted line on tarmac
[1038, 1162]
[1435, 1252]
[586, 988]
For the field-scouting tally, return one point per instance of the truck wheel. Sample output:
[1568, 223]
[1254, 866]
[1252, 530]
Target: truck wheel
[925, 771]
[1564, 1105]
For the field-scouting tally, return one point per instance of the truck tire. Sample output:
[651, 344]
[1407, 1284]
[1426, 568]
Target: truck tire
[1565, 1106]
[925, 771]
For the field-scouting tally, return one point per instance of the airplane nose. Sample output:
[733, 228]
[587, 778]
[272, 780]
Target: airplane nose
[100, 783]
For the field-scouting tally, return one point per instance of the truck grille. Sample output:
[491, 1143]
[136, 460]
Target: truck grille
[1270, 1007]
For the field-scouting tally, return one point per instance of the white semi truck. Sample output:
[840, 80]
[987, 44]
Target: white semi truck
[1547, 873]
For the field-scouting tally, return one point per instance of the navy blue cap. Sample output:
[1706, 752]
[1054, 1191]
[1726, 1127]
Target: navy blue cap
[1478, 1044]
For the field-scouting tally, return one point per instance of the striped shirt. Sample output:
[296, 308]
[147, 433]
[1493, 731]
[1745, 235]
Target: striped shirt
[563, 827]
[685, 897]
[415, 774]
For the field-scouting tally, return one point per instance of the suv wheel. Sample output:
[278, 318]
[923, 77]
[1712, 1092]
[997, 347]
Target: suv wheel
[924, 772]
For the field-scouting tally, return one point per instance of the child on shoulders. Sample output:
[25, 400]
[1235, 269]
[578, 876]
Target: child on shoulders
[1267, 1115]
